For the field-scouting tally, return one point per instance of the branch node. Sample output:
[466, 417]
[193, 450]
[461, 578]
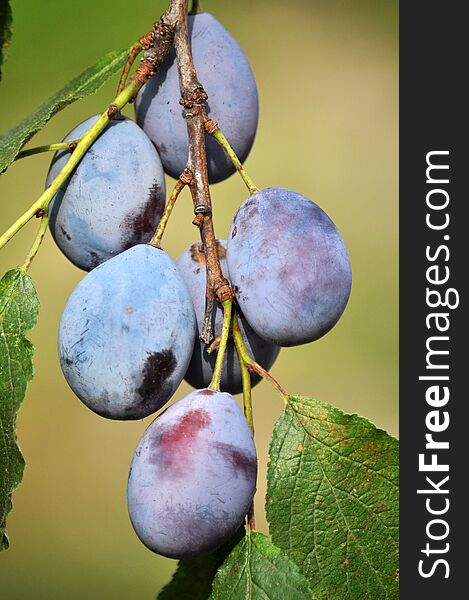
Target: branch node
[211, 126]
[186, 177]
[224, 291]
[195, 98]
[202, 209]
[72, 146]
[199, 219]
[112, 111]
[163, 38]
[40, 213]
[148, 39]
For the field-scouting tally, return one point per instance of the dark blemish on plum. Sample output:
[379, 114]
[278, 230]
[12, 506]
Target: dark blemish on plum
[241, 462]
[158, 368]
[236, 289]
[221, 250]
[234, 232]
[205, 392]
[198, 255]
[68, 361]
[65, 233]
[247, 212]
[143, 222]
[174, 447]
[94, 259]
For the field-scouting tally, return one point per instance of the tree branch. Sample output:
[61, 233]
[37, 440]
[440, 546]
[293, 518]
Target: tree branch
[193, 98]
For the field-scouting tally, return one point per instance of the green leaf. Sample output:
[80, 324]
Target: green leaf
[85, 84]
[19, 307]
[258, 570]
[332, 500]
[193, 577]
[6, 22]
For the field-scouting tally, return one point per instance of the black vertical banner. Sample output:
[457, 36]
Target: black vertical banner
[434, 268]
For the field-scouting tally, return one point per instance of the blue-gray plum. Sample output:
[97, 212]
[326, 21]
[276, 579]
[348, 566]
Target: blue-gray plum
[289, 267]
[226, 75]
[126, 334]
[113, 200]
[191, 264]
[193, 476]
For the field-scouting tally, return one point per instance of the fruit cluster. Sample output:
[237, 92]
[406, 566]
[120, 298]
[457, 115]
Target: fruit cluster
[130, 331]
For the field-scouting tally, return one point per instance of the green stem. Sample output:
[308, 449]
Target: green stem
[37, 242]
[221, 139]
[42, 203]
[247, 402]
[247, 396]
[196, 7]
[251, 364]
[156, 239]
[48, 148]
[225, 332]
[133, 53]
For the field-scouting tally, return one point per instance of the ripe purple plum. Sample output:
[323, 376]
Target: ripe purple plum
[191, 265]
[193, 476]
[113, 200]
[289, 267]
[126, 334]
[233, 103]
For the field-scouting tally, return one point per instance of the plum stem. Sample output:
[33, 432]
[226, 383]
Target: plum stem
[163, 40]
[214, 130]
[251, 365]
[37, 242]
[133, 53]
[246, 379]
[48, 148]
[196, 7]
[225, 333]
[156, 239]
[193, 98]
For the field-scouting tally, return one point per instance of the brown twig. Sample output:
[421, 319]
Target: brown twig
[193, 98]
[163, 38]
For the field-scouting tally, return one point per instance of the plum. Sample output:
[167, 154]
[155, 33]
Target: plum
[193, 476]
[113, 200]
[126, 334]
[191, 264]
[289, 267]
[226, 75]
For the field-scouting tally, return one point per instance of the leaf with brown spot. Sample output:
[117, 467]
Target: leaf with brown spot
[258, 570]
[333, 500]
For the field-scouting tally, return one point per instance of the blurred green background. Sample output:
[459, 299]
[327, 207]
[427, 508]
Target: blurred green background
[327, 77]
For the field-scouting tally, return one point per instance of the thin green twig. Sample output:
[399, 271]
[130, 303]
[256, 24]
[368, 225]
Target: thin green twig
[225, 332]
[48, 148]
[133, 53]
[37, 242]
[251, 364]
[156, 239]
[221, 139]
